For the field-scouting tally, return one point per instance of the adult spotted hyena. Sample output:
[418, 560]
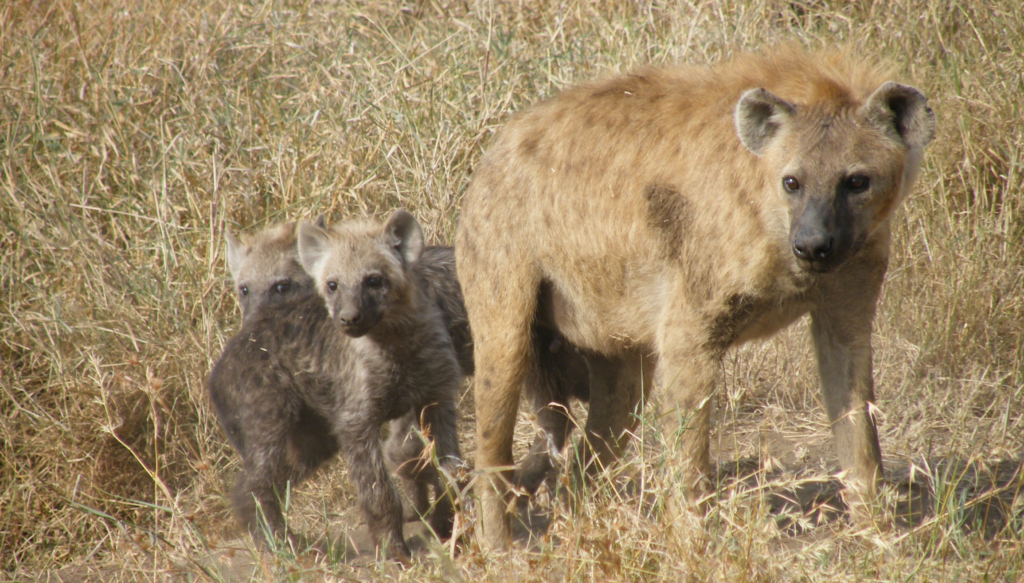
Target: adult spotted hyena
[666, 215]
[305, 378]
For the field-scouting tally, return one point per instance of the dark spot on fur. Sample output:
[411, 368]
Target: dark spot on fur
[727, 325]
[666, 215]
[528, 147]
[469, 248]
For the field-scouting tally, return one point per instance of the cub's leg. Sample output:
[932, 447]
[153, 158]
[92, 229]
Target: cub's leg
[382, 508]
[279, 450]
[261, 484]
[403, 451]
[562, 374]
[440, 422]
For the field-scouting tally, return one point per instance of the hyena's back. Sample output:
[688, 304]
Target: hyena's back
[440, 282]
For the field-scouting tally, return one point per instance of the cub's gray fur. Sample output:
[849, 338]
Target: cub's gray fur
[302, 381]
[266, 271]
[265, 267]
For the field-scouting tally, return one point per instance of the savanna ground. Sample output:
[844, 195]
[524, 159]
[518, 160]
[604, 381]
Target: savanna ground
[133, 133]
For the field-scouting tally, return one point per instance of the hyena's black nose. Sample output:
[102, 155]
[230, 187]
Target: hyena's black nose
[815, 247]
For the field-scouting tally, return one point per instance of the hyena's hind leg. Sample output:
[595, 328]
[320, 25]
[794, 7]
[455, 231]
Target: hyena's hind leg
[561, 374]
[281, 454]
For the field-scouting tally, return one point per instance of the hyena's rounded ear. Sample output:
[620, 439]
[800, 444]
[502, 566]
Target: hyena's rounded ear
[404, 235]
[237, 252]
[321, 221]
[313, 242]
[759, 115]
[902, 112]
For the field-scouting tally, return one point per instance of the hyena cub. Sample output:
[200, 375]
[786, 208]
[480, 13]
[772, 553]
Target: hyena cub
[265, 267]
[302, 380]
[266, 271]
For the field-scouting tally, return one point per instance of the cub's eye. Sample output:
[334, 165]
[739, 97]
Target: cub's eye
[244, 290]
[374, 281]
[857, 183]
[790, 183]
[282, 287]
[332, 286]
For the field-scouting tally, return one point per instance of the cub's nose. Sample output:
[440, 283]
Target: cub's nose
[350, 317]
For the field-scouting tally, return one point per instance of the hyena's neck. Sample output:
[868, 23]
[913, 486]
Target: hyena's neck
[406, 328]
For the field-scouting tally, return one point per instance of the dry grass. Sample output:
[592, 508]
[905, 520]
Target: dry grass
[133, 133]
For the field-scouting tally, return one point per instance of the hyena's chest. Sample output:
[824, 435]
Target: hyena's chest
[751, 317]
[390, 379]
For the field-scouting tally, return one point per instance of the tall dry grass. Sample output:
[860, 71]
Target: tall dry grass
[133, 133]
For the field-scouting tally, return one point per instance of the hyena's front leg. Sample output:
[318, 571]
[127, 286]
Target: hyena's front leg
[688, 362]
[404, 450]
[378, 498]
[842, 342]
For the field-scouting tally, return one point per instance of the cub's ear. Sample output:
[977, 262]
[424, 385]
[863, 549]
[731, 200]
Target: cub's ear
[321, 221]
[313, 242]
[403, 233]
[758, 117]
[237, 252]
[903, 113]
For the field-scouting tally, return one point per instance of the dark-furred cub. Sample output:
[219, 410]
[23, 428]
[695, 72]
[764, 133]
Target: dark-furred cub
[307, 378]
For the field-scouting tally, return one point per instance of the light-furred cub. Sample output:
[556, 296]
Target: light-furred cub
[297, 384]
[265, 267]
[670, 214]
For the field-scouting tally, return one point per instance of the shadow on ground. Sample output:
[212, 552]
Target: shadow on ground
[982, 497]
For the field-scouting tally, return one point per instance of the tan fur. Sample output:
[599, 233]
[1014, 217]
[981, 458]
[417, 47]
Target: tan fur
[652, 207]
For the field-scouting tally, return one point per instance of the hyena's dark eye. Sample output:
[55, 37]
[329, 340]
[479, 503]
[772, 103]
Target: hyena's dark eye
[282, 287]
[332, 286]
[375, 281]
[244, 290]
[790, 183]
[857, 183]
